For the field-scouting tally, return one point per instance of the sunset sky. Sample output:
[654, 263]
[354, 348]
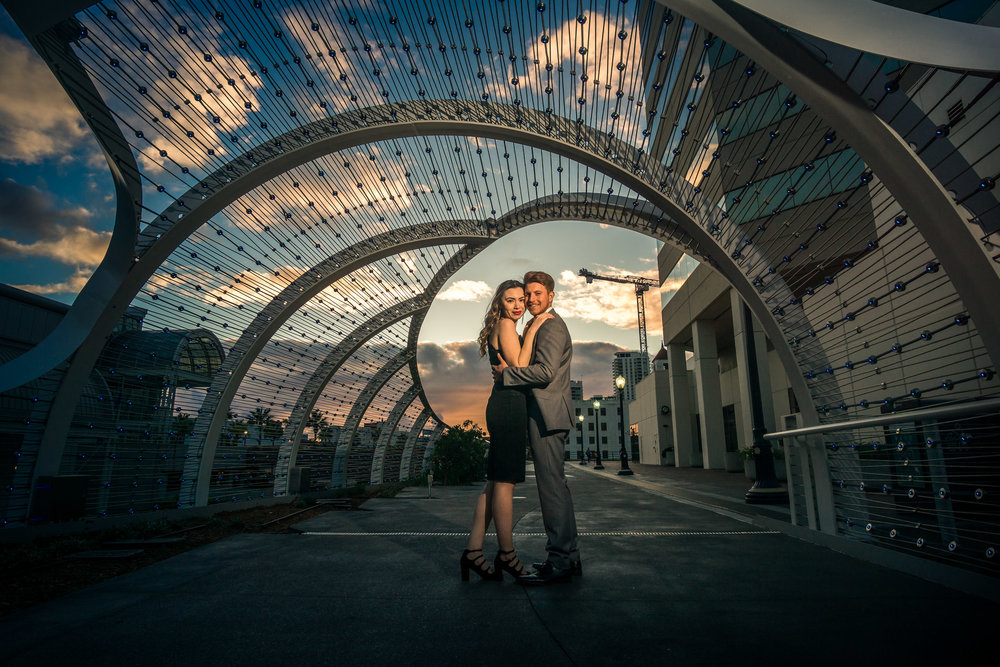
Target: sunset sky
[601, 317]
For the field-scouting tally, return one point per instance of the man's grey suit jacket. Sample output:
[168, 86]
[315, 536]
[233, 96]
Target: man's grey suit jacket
[548, 374]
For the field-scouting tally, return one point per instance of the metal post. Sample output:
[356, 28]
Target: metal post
[767, 488]
[597, 427]
[583, 459]
[622, 454]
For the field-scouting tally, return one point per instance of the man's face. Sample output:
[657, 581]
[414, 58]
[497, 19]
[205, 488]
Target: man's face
[539, 299]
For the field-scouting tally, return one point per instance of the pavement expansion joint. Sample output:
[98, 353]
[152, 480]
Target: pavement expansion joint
[608, 533]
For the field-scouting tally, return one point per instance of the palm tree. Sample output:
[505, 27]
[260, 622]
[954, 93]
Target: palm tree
[258, 418]
[273, 430]
[317, 422]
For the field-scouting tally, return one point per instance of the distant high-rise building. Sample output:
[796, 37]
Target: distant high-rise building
[631, 365]
[576, 390]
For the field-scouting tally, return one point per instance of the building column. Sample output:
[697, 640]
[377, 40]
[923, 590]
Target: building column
[685, 445]
[709, 391]
[744, 423]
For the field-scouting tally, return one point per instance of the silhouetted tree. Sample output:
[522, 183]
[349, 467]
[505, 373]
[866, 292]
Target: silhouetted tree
[273, 430]
[460, 454]
[258, 417]
[317, 422]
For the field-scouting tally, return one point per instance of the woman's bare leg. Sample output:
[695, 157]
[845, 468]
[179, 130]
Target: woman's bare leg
[481, 517]
[503, 514]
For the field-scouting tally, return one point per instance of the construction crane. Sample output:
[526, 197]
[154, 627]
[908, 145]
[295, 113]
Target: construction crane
[642, 286]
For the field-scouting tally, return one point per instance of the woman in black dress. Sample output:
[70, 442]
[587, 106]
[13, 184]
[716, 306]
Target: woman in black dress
[507, 423]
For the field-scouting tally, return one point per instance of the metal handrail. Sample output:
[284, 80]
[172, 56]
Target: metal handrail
[970, 407]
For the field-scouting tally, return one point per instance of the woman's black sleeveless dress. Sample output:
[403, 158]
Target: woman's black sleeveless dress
[507, 423]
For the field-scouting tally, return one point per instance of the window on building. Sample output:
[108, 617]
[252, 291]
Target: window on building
[604, 440]
[590, 412]
[604, 411]
[591, 439]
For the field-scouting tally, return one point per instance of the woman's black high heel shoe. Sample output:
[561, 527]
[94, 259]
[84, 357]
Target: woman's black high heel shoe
[477, 565]
[511, 566]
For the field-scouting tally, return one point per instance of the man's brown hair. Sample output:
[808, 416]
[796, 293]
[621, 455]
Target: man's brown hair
[542, 278]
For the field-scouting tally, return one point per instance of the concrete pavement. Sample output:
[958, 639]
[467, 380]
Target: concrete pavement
[673, 573]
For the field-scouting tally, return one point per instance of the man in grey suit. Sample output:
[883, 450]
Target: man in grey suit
[550, 419]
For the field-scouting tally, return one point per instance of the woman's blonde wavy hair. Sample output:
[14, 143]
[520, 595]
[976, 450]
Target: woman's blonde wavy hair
[494, 313]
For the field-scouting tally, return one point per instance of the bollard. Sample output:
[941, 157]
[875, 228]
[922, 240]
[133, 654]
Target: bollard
[430, 483]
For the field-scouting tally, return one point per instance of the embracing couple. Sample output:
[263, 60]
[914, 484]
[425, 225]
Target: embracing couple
[530, 403]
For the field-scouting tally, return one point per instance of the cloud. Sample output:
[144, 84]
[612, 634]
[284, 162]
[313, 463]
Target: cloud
[466, 290]
[62, 234]
[71, 285]
[26, 208]
[608, 302]
[610, 63]
[75, 246]
[38, 122]
[458, 382]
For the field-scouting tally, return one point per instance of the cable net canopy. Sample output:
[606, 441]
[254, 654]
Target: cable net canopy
[299, 179]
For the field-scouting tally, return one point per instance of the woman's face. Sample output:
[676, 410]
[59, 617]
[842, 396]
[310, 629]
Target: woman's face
[512, 303]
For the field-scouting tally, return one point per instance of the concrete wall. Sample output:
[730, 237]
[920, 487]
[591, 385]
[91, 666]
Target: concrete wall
[656, 440]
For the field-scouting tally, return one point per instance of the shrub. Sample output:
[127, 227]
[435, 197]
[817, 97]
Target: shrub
[460, 455]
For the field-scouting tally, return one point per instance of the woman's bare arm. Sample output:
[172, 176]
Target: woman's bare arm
[508, 342]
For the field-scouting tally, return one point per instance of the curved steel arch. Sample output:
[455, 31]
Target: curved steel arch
[620, 161]
[431, 441]
[358, 409]
[288, 452]
[353, 128]
[52, 42]
[416, 307]
[388, 430]
[911, 183]
[570, 207]
[875, 27]
[411, 439]
[651, 179]
[273, 315]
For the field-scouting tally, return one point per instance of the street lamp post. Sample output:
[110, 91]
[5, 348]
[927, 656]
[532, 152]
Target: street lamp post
[597, 439]
[583, 459]
[622, 454]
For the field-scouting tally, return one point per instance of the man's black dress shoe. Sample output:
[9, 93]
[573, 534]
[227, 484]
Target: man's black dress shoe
[547, 574]
[575, 566]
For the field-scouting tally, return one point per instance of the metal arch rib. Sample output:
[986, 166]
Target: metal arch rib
[570, 206]
[911, 183]
[273, 315]
[288, 452]
[431, 441]
[454, 263]
[161, 237]
[672, 196]
[875, 27]
[417, 306]
[388, 431]
[358, 410]
[51, 40]
[411, 440]
[615, 210]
